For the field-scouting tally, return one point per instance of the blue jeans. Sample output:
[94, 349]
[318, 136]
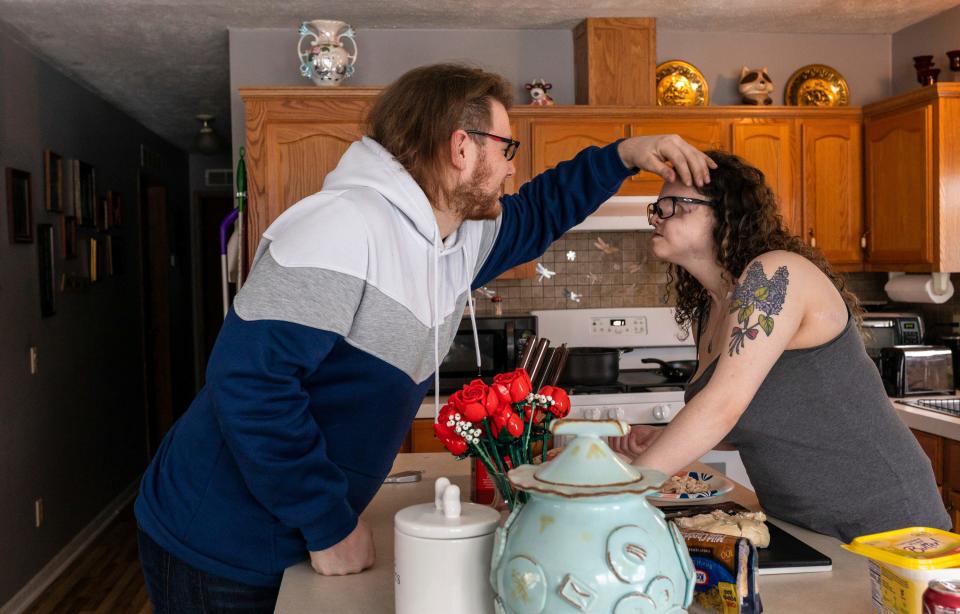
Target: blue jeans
[178, 588]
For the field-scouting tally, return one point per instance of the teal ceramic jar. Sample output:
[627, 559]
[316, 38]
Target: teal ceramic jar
[588, 540]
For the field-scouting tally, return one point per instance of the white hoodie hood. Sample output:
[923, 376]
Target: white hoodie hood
[407, 230]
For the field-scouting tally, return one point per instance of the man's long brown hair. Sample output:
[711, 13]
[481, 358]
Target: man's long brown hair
[748, 224]
[414, 117]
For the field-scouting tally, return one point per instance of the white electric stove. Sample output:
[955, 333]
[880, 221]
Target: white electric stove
[640, 396]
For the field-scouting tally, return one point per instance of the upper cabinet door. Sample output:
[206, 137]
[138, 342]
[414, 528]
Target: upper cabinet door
[832, 200]
[899, 171]
[289, 164]
[704, 134]
[554, 141]
[521, 161]
[772, 146]
[305, 153]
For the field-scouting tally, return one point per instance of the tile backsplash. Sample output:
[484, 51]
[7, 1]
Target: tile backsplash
[616, 269]
[602, 269]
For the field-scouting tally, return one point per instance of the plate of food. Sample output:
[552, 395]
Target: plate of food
[698, 485]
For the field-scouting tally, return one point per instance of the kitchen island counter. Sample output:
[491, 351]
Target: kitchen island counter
[844, 589]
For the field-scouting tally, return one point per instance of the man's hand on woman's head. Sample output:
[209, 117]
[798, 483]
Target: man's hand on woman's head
[653, 153]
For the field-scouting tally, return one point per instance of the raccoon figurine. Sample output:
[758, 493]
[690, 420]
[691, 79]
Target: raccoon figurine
[755, 86]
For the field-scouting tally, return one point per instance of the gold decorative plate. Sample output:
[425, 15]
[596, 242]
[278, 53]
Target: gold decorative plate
[680, 84]
[816, 85]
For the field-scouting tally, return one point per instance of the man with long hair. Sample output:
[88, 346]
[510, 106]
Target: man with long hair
[354, 297]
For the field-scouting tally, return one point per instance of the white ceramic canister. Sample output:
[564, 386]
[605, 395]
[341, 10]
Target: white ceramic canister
[442, 555]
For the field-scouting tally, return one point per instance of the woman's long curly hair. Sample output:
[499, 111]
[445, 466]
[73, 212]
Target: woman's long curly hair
[748, 224]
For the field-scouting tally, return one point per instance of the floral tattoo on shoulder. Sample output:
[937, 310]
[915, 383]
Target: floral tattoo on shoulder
[757, 293]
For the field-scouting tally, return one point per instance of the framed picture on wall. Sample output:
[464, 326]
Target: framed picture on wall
[84, 193]
[68, 236]
[109, 255]
[19, 206]
[53, 181]
[105, 213]
[48, 275]
[93, 261]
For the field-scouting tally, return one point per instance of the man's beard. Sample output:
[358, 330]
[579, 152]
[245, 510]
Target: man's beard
[469, 199]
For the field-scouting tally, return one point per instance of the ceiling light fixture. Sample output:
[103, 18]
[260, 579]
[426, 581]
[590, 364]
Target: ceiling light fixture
[207, 141]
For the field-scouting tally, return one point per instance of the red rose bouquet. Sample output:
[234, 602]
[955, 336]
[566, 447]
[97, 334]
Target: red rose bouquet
[500, 423]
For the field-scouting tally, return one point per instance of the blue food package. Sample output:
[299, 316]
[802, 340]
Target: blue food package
[726, 569]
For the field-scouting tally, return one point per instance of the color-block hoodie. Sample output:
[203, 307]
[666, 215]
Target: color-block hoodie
[322, 363]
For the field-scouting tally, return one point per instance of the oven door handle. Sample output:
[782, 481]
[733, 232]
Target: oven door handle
[511, 330]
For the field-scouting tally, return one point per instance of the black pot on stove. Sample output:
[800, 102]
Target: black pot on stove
[590, 366]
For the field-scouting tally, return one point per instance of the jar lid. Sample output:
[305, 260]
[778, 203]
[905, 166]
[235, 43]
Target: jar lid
[920, 548]
[425, 520]
[587, 466]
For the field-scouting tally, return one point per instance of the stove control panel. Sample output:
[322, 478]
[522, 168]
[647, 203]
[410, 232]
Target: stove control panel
[629, 412]
[612, 326]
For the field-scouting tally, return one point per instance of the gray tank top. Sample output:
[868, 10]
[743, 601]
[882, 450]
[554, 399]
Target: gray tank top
[825, 450]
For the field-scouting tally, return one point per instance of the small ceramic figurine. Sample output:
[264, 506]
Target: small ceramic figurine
[755, 86]
[538, 93]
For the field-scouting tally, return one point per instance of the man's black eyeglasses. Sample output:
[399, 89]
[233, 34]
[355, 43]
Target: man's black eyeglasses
[667, 206]
[509, 151]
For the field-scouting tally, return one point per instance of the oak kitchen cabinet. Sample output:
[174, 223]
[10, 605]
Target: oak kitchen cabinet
[912, 170]
[811, 157]
[944, 455]
[813, 164]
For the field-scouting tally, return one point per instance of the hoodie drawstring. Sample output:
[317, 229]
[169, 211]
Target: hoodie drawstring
[473, 323]
[436, 330]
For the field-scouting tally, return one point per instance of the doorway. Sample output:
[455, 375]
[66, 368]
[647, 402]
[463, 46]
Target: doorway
[211, 209]
[155, 301]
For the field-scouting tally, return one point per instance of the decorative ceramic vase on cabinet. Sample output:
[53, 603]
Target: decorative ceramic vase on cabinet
[322, 56]
[588, 540]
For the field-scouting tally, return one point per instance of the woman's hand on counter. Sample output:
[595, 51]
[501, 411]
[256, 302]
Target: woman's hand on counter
[636, 442]
[352, 555]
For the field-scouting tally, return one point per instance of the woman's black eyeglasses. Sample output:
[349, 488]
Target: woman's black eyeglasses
[667, 206]
[509, 151]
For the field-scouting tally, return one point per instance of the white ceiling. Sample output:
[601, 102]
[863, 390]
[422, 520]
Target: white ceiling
[164, 61]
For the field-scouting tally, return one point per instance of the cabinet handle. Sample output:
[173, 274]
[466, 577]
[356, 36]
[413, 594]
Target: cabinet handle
[813, 238]
[863, 240]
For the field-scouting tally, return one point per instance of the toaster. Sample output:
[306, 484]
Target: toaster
[916, 370]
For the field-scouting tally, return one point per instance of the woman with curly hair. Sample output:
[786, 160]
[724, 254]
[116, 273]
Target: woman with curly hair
[783, 375]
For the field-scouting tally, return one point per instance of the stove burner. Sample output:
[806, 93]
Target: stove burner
[615, 388]
[632, 381]
[658, 388]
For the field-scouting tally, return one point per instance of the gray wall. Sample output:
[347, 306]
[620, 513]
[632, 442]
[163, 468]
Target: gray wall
[933, 36]
[74, 434]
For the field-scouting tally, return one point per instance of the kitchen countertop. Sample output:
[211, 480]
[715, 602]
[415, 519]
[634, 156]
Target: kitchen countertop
[846, 588]
[928, 421]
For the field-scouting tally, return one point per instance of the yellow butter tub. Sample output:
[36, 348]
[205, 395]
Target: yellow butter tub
[903, 562]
